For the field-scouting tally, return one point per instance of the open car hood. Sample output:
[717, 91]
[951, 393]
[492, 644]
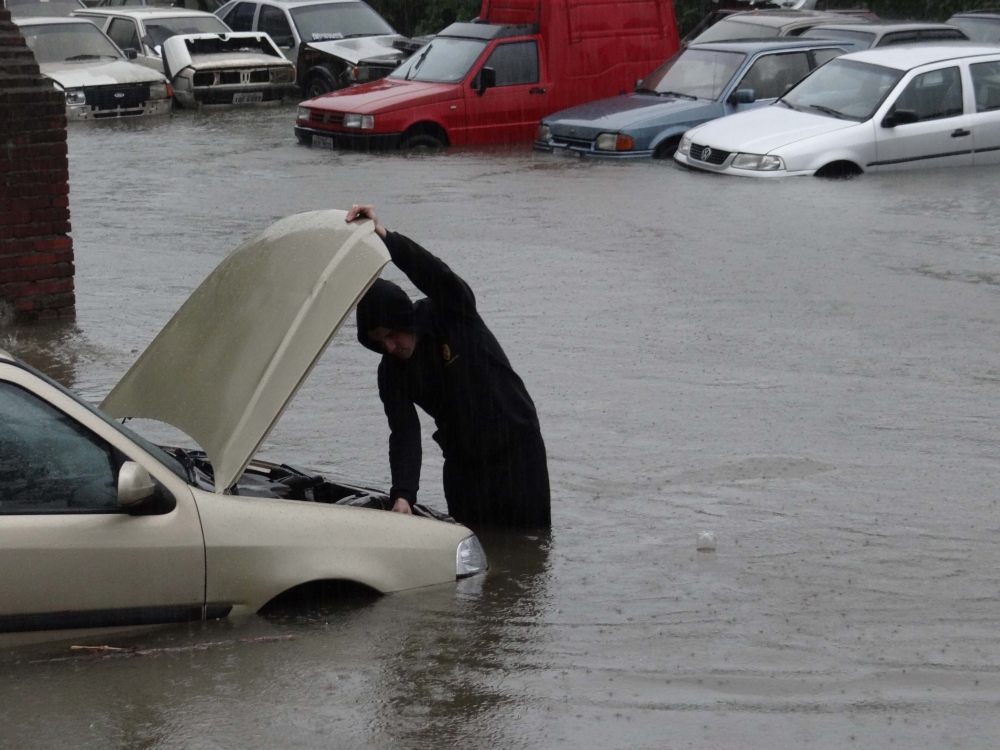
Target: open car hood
[231, 359]
[236, 49]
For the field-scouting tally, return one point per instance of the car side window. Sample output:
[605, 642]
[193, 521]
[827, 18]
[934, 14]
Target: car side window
[823, 56]
[240, 18]
[272, 21]
[516, 63]
[933, 95]
[986, 84]
[898, 37]
[772, 75]
[123, 33]
[49, 463]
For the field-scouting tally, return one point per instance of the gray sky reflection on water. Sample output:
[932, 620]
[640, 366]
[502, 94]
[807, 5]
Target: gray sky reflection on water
[807, 368]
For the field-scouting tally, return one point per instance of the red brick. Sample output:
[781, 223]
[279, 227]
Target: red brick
[37, 259]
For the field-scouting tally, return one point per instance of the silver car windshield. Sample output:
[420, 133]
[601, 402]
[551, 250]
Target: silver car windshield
[729, 29]
[442, 61]
[701, 73]
[845, 89]
[69, 42]
[318, 23]
[979, 29]
[160, 30]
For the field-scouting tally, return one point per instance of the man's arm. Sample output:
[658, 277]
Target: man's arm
[405, 453]
[429, 274]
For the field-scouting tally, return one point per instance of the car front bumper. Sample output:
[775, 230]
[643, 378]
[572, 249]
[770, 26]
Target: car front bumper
[227, 95]
[588, 150]
[87, 113]
[726, 168]
[360, 141]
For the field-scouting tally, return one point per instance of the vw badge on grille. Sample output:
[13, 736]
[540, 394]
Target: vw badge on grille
[706, 153]
[244, 77]
[119, 95]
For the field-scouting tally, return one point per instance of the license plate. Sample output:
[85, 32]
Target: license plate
[248, 98]
[321, 141]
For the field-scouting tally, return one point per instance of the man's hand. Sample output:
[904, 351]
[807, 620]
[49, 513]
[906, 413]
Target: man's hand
[401, 506]
[366, 211]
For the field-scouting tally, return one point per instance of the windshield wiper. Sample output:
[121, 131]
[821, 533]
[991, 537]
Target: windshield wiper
[87, 57]
[418, 63]
[790, 106]
[677, 94]
[829, 111]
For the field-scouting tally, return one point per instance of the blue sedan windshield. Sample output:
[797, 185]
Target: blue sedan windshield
[702, 73]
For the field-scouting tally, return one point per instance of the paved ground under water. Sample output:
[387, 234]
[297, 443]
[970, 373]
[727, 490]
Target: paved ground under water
[807, 368]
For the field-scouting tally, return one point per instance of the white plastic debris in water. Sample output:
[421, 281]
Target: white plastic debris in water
[706, 541]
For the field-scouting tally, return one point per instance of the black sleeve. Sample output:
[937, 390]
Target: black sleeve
[430, 275]
[404, 437]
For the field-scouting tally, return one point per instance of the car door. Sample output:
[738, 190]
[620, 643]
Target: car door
[69, 557]
[985, 79]
[941, 134]
[272, 21]
[770, 76]
[510, 111]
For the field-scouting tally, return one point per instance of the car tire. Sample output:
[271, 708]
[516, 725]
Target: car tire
[422, 141]
[319, 81]
[666, 149]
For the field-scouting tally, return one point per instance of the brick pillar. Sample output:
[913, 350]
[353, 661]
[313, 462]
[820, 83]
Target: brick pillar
[36, 252]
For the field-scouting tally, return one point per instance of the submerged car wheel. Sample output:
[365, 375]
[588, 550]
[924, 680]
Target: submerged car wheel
[422, 141]
[319, 81]
[666, 149]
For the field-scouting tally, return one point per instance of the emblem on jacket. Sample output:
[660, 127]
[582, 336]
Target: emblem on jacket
[447, 355]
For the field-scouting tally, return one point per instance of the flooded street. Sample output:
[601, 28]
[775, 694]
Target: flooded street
[807, 368]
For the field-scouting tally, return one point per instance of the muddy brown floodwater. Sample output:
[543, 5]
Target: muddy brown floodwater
[807, 368]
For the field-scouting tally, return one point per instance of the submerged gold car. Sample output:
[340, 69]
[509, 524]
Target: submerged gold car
[100, 528]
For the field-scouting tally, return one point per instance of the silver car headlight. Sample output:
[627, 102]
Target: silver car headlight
[283, 74]
[158, 91]
[365, 122]
[758, 162]
[544, 132]
[75, 97]
[303, 113]
[470, 558]
[684, 146]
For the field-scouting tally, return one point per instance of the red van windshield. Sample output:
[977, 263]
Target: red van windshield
[444, 60]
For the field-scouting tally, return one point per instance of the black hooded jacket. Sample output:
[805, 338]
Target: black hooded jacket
[458, 372]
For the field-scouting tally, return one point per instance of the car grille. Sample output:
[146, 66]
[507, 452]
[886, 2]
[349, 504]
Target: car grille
[122, 96]
[561, 140]
[713, 156]
[318, 117]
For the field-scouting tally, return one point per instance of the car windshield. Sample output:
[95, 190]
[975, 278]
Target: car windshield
[60, 42]
[36, 9]
[979, 29]
[160, 30]
[442, 61]
[844, 88]
[729, 29]
[819, 32]
[154, 450]
[318, 23]
[703, 73]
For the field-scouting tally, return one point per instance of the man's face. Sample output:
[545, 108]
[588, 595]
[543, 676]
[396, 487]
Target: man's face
[398, 344]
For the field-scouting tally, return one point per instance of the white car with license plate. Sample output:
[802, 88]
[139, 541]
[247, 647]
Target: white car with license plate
[100, 528]
[906, 107]
[205, 61]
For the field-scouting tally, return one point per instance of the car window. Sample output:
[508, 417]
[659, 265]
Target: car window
[822, 32]
[986, 83]
[515, 63]
[50, 463]
[240, 18]
[897, 37]
[942, 35]
[823, 56]
[772, 75]
[844, 88]
[123, 33]
[703, 73]
[272, 21]
[730, 28]
[933, 95]
[979, 29]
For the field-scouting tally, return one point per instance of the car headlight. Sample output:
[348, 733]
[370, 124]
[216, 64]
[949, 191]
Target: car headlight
[365, 122]
[685, 145]
[158, 91]
[283, 75]
[544, 132]
[75, 97]
[302, 114]
[614, 142]
[758, 162]
[470, 558]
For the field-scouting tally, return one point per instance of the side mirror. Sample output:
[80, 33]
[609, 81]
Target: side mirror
[487, 80]
[130, 53]
[900, 117]
[743, 96]
[135, 486]
[285, 42]
[638, 82]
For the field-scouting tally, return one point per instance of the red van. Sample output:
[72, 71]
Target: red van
[492, 81]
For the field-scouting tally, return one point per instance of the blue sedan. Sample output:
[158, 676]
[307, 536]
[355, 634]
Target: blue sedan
[700, 83]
